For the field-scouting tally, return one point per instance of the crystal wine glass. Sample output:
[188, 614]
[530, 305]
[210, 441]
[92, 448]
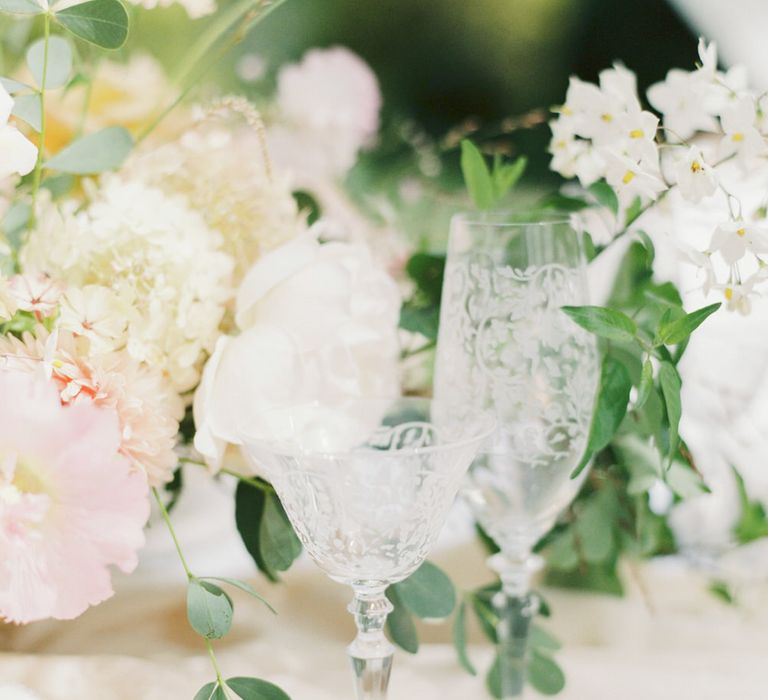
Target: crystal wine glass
[505, 345]
[367, 485]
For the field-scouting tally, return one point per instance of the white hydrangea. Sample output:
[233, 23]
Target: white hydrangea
[224, 177]
[163, 265]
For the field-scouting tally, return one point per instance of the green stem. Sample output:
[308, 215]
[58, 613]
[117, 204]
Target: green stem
[190, 576]
[198, 60]
[169, 524]
[256, 483]
[38, 174]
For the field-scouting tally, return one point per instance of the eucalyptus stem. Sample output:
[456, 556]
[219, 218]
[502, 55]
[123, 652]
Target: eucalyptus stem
[190, 576]
[264, 486]
[38, 174]
[169, 524]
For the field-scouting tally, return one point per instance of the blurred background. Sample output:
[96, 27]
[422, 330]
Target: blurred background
[441, 62]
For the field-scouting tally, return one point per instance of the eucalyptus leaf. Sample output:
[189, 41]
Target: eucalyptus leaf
[460, 639]
[400, 625]
[59, 62]
[27, 108]
[685, 482]
[278, 543]
[539, 638]
[100, 22]
[428, 592]
[95, 153]
[594, 526]
[677, 331]
[211, 691]
[544, 674]
[477, 176]
[15, 222]
[670, 382]
[14, 86]
[209, 609]
[21, 7]
[243, 586]
[604, 322]
[256, 689]
[562, 553]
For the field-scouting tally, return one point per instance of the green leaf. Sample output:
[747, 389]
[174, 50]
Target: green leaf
[722, 591]
[308, 205]
[562, 203]
[27, 108]
[460, 639]
[249, 511]
[400, 625]
[646, 384]
[420, 319]
[544, 674]
[15, 222]
[604, 194]
[562, 552]
[428, 592]
[482, 604]
[243, 586]
[541, 639]
[278, 543]
[103, 150]
[21, 7]
[209, 609]
[14, 86]
[612, 400]
[256, 689]
[477, 176]
[674, 332]
[650, 249]
[59, 62]
[684, 481]
[633, 211]
[607, 323]
[595, 524]
[211, 691]
[670, 382]
[427, 271]
[100, 22]
[506, 175]
[753, 523]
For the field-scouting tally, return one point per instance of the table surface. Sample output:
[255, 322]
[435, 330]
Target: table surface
[667, 639]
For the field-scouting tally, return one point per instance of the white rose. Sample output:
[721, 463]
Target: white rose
[318, 322]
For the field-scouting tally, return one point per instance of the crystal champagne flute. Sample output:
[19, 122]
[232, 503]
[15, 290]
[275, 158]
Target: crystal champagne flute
[505, 345]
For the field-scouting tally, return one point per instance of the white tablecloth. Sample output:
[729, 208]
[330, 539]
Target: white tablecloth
[669, 639]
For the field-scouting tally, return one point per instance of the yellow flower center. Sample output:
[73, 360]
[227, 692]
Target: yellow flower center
[636, 134]
[566, 110]
[738, 136]
[741, 232]
[695, 166]
[26, 480]
[628, 177]
[606, 117]
[728, 293]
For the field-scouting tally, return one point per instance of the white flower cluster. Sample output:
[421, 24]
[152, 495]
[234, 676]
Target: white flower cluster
[709, 118]
[144, 272]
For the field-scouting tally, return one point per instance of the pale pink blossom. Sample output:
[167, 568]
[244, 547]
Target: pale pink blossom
[148, 410]
[37, 293]
[70, 505]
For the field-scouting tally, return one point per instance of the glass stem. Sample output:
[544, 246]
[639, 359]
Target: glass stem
[516, 607]
[371, 652]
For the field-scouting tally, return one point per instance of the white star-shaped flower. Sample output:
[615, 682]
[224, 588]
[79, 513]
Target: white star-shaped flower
[695, 178]
[734, 239]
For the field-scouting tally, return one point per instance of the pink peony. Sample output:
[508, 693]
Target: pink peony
[70, 505]
[148, 410]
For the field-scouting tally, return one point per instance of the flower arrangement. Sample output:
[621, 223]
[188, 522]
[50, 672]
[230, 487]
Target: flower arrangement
[168, 273]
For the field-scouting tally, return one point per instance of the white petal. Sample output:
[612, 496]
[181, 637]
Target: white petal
[17, 153]
[6, 105]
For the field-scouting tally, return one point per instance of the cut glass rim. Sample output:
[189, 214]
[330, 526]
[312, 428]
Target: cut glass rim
[486, 427]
